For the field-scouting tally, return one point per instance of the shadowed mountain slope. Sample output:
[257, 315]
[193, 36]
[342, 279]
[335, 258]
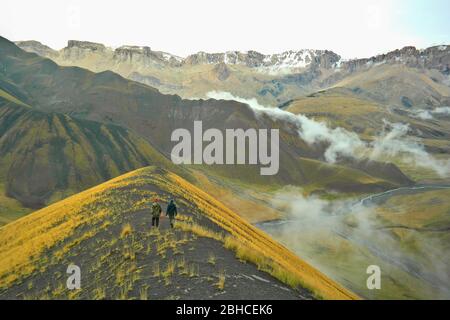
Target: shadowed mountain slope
[47, 156]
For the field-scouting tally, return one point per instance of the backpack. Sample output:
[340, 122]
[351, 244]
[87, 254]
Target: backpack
[156, 210]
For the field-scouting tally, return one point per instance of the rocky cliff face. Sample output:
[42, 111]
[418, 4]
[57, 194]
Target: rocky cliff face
[145, 55]
[38, 48]
[289, 60]
[437, 57]
[85, 45]
[272, 78]
[77, 50]
[284, 61]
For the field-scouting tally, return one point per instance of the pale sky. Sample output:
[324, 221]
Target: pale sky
[351, 28]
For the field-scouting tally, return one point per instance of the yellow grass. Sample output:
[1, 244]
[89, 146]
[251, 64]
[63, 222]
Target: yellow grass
[199, 230]
[126, 230]
[143, 293]
[259, 243]
[221, 280]
[24, 241]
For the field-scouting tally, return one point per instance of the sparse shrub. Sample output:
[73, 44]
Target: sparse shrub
[99, 293]
[193, 271]
[181, 265]
[123, 293]
[221, 280]
[167, 281]
[156, 269]
[212, 258]
[120, 276]
[199, 230]
[106, 224]
[185, 218]
[44, 296]
[169, 270]
[143, 293]
[126, 230]
[161, 248]
[129, 253]
[59, 290]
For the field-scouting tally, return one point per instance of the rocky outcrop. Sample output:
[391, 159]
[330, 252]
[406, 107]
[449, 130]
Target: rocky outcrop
[437, 57]
[146, 56]
[85, 45]
[38, 48]
[77, 50]
[129, 51]
[272, 62]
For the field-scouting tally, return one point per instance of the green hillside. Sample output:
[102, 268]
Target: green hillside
[47, 156]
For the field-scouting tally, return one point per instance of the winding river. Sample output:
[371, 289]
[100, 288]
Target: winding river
[373, 199]
[289, 231]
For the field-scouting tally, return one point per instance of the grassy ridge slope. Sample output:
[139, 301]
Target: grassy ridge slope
[52, 235]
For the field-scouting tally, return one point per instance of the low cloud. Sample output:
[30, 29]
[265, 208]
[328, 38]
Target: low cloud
[393, 141]
[430, 114]
[329, 233]
[223, 95]
[341, 141]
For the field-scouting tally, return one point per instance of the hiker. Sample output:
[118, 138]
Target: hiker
[156, 213]
[171, 212]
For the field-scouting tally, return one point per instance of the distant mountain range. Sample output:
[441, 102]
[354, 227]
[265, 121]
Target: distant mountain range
[436, 57]
[289, 60]
[102, 125]
[272, 79]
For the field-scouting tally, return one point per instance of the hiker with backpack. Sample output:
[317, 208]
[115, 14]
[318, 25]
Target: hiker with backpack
[171, 212]
[156, 213]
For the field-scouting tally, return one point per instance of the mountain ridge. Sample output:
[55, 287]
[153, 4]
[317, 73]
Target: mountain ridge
[112, 221]
[273, 79]
[431, 57]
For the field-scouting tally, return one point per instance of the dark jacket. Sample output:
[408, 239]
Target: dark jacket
[171, 209]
